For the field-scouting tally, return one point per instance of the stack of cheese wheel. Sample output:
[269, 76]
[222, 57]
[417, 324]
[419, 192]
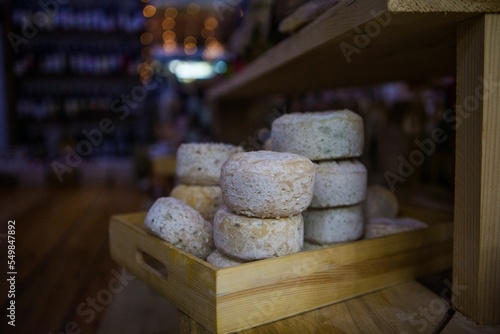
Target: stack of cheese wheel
[332, 140]
[198, 172]
[264, 194]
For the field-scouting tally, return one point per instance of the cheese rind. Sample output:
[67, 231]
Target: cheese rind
[339, 183]
[250, 239]
[332, 225]
[176, 222]
[319, 135]
[200, 163]
[267, 184]
[204, 199]
[380, 202]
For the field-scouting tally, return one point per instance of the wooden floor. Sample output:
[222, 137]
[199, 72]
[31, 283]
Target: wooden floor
[66, 279]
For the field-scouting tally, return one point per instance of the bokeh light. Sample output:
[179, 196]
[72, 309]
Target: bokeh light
[171, 12]
[190, 49]
[168, 23]
[190, 40]
[149, 11]
[168, 35]
[211, 23]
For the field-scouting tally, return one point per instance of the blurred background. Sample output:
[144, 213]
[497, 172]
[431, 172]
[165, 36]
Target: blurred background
[95, 98]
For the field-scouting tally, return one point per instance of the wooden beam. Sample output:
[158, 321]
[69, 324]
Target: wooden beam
[447, 6]
[476, 262]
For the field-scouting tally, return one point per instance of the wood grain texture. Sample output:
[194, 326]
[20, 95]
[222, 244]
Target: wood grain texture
[404, 308]
[15, 202]
[72, 206]
[235, 298]
[62, 256]
[423, 6]
[384, 45]
[489, 264]
[33, 245]
[477, 230]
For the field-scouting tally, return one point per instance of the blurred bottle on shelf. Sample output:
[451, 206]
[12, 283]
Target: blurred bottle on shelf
[80, 20]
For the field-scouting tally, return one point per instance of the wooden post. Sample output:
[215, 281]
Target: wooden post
[476, 263]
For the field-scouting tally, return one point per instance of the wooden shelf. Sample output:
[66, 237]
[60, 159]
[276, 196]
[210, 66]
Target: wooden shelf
[407, 39]
[404, 308]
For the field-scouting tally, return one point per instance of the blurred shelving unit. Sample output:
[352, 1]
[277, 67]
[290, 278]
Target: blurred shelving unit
[71, 62]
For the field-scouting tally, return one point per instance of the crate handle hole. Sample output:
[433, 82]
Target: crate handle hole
[151, 263]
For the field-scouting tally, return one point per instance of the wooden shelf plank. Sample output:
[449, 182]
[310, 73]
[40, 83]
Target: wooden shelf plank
[359, 42]
[404, 308]
[483, 6]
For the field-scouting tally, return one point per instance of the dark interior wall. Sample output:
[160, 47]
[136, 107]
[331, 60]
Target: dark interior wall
[4, 130]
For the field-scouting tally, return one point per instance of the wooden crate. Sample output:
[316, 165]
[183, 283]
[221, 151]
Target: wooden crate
[231, 299]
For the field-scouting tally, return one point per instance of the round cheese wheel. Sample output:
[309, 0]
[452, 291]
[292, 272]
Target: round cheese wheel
[176, 222]
[339, 183]
[332, 225]
[380, 202]
[200, 163]
[204, 199]
[221, 260]
[249, 238]
[379, 227]
[267, 184]
[319, 135]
